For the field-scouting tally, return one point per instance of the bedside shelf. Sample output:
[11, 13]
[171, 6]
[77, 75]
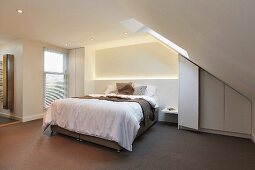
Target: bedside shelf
[169, 112]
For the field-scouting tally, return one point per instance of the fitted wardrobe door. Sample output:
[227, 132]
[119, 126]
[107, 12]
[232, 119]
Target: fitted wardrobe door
[211, 102]
[188, 94]
[79, 71]
[76, 72]
[237, 112]
[71, 73]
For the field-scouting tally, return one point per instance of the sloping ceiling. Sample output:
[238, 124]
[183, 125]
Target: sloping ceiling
[218, 35]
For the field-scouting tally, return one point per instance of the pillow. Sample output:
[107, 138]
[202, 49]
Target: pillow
[150, 91]
[140, 90]
[110, 89]
[125, 88]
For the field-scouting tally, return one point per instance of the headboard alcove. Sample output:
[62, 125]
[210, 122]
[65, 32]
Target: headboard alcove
[167, 90]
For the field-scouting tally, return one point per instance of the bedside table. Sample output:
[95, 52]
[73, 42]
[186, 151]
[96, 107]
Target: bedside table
[165, 110]
[170, 115]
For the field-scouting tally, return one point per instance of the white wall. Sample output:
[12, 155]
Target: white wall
[16, 48]
[136, 61]
[28, 76]
[32, 79]
[145, 63]
[76, 72]
[33, 63]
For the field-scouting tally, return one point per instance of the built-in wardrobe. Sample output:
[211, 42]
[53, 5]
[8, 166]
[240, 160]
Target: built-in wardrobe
[208, 104]
[222, 108]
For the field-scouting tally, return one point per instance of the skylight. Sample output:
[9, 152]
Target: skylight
[169, 43]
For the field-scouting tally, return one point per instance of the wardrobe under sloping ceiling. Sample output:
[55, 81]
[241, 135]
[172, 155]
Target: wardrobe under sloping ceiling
[208, 104]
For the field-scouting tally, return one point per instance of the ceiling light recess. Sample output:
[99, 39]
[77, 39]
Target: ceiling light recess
[19, 11]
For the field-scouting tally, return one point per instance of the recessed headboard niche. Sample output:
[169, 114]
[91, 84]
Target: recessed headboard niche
[167, 90]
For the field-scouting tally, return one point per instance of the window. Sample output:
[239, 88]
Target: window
[54, 77]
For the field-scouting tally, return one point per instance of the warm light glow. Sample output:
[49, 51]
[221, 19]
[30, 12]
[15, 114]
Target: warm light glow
[91, 39]
[136, 26]
[140, 39]
[19, 11]
[134, 78]
[125, 33]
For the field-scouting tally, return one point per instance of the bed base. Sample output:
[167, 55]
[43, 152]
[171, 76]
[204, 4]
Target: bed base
[100, 141]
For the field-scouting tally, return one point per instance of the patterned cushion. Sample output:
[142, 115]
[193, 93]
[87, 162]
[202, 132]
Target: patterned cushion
[125, 88]
[140, 90]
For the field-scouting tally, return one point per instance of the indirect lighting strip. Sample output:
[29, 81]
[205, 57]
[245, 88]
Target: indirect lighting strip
[135, 78]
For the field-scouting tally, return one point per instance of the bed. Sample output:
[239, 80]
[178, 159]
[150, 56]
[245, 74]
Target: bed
[111, 120]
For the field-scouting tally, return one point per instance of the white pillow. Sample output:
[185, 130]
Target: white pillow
[110, 89]
[150, 91]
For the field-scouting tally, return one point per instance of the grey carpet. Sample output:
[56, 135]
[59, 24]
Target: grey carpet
[22, 146]
[4, 120]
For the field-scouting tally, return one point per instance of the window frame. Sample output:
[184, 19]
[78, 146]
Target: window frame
[64, 73]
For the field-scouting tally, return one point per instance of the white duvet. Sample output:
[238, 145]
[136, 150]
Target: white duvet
[115, 121]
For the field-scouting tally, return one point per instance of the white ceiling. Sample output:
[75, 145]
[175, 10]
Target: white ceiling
[58, 22]
[218, 35]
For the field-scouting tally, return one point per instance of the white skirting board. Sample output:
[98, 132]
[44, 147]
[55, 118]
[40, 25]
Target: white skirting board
[24, 119]
[187, 128]
[30, 118]
[226, 133]
[253, 137]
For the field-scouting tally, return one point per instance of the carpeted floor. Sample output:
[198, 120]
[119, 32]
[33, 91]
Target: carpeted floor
[5, 120]
[22, 146]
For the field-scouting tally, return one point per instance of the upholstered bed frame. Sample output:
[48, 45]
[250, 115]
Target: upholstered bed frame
[104, 142]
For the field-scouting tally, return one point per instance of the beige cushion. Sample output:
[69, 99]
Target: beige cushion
[125, 88]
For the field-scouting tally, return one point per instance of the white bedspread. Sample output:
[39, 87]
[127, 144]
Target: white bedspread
[115, 121]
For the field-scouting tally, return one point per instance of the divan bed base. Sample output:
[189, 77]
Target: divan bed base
[100, 141]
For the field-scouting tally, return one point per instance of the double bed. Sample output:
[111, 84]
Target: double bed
[112, 120]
